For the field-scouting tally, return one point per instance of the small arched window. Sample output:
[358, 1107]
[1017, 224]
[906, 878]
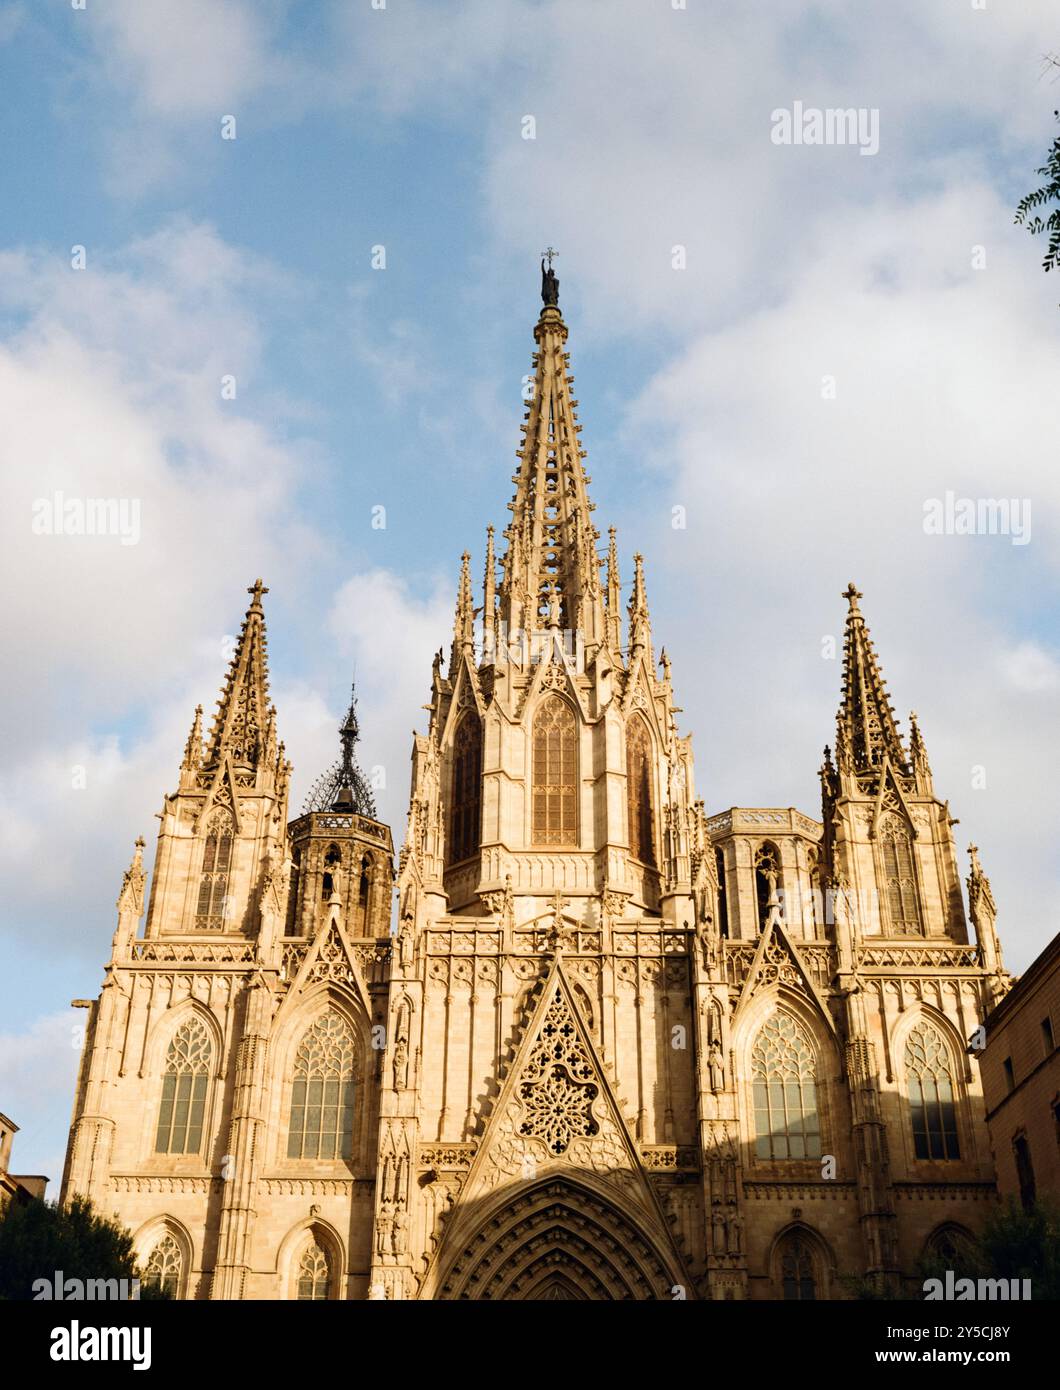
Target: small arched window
[931, 1094]
[322, 1094]
[899, 875]
[314, 1273]
[165, 1266]
[1021, 1151]
[555, 774]
[216, 866]
[817, 908]
[767, 880]
[784, 1076]
[364, 887]
[723, 894]
[797, 1268]
[639, 806]
[184, 1082]
[293, 925]
[465, 807]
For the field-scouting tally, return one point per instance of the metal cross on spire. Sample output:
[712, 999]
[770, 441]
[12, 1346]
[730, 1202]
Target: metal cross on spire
[548, 254]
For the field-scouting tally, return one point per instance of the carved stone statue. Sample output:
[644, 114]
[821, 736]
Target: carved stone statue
[735, 1233]
[718, 1224]
[383, 1225]
[401, 1064]
[716, 1065]
[399, 1227]
[549, 287]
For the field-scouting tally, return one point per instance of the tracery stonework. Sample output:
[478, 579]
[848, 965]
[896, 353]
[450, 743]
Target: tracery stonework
[613, 1038]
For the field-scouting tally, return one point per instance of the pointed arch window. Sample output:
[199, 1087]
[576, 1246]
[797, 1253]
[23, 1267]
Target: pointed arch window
[797, 1268]
[293, 926]
[767, 880]
[817, 905]
[899, 877]
[931, 1094]
[1021, 1151]
[364, 886]
[216, 866]
[640, 809]
[314, 1274]
[184, 1083]
[165, 1267]
[723, 894]
[465, 811]
[784, 1076]
[555, 774]
[322, 1094]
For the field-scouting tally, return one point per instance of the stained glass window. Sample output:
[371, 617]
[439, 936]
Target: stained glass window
[314, 1274]
[466, 801]
[322, 1094]
[216, 865]
[638, 791]
[165, 1266]
[797, 1269]
[184, 1083]
[784, 1078]
[931, 1098]
[555, 805]
[896, 846]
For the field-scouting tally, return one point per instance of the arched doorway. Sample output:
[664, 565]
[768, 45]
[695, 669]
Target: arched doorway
[559, 1240]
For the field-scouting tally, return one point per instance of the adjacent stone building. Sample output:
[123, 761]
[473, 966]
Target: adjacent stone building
[616, 1048]
[1021, 1080]
[18, 1187]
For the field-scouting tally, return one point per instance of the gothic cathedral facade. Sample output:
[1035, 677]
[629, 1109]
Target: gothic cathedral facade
[616, 1047]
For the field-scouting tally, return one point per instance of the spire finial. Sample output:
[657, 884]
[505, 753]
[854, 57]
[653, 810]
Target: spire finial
[344, 787]
[851, 594]
[257, 589]
[193, 747]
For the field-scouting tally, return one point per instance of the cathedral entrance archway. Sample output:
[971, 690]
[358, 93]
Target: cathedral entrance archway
[559, 1240]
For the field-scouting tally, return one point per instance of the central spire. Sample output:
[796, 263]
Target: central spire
[866, 731]
[550, 568]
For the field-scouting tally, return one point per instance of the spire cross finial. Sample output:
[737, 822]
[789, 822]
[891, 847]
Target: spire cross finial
[257, 589]
[851, 594]
[548, 254]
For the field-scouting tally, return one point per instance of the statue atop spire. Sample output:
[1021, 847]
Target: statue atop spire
[549, 281]
[344, 786]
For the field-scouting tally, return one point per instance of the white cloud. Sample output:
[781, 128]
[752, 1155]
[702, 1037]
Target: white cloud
[1030, 669]
[38, 1070]
[388, 633]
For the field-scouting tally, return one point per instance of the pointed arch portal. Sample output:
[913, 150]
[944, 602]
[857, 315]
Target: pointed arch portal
[559, 1240]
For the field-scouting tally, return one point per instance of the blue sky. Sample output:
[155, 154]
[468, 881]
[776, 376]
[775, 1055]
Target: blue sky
[701, 387]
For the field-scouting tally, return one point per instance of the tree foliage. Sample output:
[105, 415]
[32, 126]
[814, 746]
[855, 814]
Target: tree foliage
[39, 1240]
[1048, 192]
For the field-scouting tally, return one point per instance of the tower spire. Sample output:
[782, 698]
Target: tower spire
[551, 554]
[614, 593]
[240, 724]
[866, 730]
[193, 747]
[489, 596]
[344, 786]
[464, 620]
[639, 618]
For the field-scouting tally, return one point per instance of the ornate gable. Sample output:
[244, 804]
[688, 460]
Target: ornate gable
[558, 1106]
[777, 962]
